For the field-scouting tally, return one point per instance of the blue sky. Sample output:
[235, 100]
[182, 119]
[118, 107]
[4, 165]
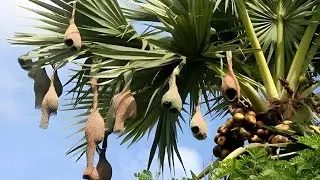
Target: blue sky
[28, 152]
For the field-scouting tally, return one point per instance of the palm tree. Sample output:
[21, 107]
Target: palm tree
[184, 39]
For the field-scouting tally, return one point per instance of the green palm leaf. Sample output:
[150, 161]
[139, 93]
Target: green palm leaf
[111, 47]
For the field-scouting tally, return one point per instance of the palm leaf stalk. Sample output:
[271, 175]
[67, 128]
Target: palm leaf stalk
[311, 53]
[254, 97]
[299, 58]
[260, 58]
[310, 90]
[280, 53]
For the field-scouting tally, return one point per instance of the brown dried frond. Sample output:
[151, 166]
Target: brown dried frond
[49, 105]
[125, 108]
[94, 130]
[41, 84]
[286, 86]
[72, 36]
[230, 85]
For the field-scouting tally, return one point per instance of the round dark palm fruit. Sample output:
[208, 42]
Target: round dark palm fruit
[216, 137]
[229, 123]
[252, 113]
[223, 130]
[259, 124]
[244, 133]
[237, 135]
[270, 138]
[250, 120]
[255, 139]
[216, 151]
[287, 122]
[238, 119]
[224, 153]
[282, 127]
[222, 140]
[279, 139]
[260, 132]
[266, 134]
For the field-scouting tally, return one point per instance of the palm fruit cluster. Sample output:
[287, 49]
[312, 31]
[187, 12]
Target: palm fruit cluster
[246, 125]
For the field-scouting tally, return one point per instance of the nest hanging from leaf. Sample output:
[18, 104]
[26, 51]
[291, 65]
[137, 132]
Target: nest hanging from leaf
[199, 127]
[125, 108]
[72, 36]
[49, 105]
[94, 130]
[171, 100]
[230, 85]
[41, 84]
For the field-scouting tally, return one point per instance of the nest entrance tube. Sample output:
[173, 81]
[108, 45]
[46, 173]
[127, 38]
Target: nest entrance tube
[230, 85]
[68, 41]
[195, 129]
[232, 94]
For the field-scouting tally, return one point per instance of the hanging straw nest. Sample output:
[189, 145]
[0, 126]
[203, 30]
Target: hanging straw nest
[230, 85]
[94, 130]
[103, 167]
[25, 62]
[125, 108]
[171, 100]
[72, 36]
[199, 127]
[41, 84]
[49, 105]
[57, 84]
